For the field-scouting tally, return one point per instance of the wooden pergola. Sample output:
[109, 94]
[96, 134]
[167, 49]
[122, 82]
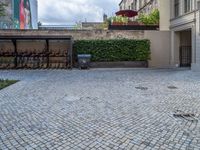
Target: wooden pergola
[46, 38]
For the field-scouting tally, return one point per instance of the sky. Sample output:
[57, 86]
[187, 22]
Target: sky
[64, 12]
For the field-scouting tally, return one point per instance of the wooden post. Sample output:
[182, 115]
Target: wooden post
[15, 52]
[47, 52]
[70, 54]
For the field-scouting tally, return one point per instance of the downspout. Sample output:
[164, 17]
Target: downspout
[195, 30]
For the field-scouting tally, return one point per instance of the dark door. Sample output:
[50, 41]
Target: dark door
[185, 56]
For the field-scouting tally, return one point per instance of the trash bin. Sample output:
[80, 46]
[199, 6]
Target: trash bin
[84, 61]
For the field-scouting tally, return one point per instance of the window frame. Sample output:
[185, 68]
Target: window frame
[176, 8]
[187, 6]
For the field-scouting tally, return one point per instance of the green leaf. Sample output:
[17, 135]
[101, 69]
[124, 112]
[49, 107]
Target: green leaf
[114, 50]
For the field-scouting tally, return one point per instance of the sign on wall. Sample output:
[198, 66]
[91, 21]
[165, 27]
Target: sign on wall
[25, 14]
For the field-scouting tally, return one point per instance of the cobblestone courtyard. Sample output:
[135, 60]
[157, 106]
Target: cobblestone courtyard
[101, 109]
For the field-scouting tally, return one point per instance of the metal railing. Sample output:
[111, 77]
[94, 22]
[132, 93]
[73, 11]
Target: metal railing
[185, 56]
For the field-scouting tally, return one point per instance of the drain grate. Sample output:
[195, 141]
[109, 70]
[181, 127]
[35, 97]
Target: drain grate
[186, 116]
[172, 87]
[142, 88]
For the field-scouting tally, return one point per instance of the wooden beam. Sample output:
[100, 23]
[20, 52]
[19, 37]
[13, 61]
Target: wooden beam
[32, 37]
[70, 54]
[15, 52]
[47, 52]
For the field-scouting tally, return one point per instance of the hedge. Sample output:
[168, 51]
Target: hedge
[114, 50]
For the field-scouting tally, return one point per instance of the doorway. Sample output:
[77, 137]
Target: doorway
[185, 49]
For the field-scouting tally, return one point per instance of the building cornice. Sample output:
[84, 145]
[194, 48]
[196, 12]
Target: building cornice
[181, 25]
[183, 15]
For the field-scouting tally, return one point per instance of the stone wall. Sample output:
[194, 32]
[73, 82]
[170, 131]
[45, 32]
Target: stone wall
[91, 25]
[160, 40]
[80, 34]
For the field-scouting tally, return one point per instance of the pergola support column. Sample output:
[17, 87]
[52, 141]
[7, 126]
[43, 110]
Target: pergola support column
[15, 52]
[70, 57]
[47, 52]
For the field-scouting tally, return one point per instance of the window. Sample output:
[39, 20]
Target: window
[140, 4]
[188, 5]
[198, 5]
[132, 6]
[135, 4]
[176, 8]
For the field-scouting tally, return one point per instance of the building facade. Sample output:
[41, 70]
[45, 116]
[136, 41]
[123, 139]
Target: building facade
[20, 14]
[181, 18]
[147, 6]
[127, 5]
[185, 33]
[142, 6]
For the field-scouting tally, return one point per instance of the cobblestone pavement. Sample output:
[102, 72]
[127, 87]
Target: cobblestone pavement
[104, 109]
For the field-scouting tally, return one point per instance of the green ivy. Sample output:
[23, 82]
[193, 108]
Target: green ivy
[151, 19]
[114, 50]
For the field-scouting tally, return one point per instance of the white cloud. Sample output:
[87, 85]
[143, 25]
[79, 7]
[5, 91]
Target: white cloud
[71, 11]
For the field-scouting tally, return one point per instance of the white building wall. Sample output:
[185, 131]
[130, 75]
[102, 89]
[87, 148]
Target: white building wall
[186, 21]
[196, 64]
[164, 7]
[140, 5]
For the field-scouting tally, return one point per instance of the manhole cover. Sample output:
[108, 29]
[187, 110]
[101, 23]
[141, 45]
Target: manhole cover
[172, 87]
[142, 88]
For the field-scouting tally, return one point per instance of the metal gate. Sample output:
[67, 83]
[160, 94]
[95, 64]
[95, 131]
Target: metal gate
[185, 56]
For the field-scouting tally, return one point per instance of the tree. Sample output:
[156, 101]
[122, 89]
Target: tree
[2, 9]
[152, 19]
[39, 24]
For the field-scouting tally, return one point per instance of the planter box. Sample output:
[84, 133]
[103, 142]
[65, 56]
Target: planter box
[118, 23]
[125, 24]
[133, 27]
[123, 64]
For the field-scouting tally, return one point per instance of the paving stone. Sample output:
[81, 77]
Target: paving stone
[100, 109]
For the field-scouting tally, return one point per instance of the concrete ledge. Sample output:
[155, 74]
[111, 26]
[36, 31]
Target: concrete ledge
[123, 64]
[79, 34]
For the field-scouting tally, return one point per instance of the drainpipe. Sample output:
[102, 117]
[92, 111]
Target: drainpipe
[195, 30]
